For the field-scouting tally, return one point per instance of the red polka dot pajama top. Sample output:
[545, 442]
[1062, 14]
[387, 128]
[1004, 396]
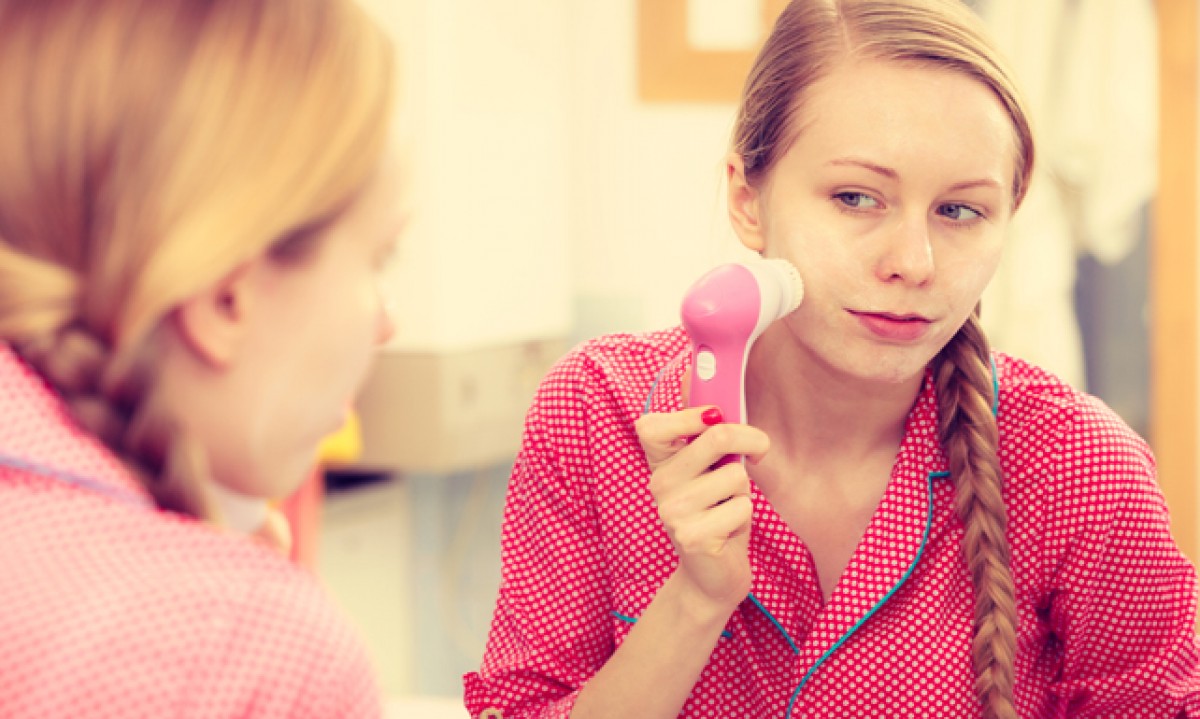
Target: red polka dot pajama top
[111, 608]
[1106, 600]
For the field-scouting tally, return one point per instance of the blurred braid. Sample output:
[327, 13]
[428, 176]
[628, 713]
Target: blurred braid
[38, 316]
[963, 374]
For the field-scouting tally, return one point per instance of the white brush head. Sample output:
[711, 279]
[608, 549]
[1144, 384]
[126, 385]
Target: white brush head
[794, 293]
[784, 290]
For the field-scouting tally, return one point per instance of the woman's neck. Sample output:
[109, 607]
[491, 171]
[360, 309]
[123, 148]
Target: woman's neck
[816, 413]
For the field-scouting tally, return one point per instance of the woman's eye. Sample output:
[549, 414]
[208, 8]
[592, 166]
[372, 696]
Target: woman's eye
[856, 200]
[958, 213]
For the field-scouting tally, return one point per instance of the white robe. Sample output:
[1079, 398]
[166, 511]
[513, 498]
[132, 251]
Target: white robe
[1089, 72]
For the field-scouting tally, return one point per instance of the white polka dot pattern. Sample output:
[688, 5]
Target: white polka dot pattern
[110, 608]
[1106, 601]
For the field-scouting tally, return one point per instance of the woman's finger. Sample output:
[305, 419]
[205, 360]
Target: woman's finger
[708, 533]
[703, 493]
[662, 434]
[712, 445]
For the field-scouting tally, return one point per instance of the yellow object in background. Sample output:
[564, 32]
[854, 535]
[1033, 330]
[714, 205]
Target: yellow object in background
[344, 446]
[303, 507]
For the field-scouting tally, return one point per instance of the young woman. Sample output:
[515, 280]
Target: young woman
[194, 207]
[924, 528]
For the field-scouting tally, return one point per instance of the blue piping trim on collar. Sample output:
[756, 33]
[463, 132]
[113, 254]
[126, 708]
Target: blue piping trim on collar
[768, 615]
[72, 479]
[907, 573]
[653, 386]
[995, 389]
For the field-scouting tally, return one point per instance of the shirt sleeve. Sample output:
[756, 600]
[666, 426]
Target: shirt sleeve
[1124, 599]
[551, 629]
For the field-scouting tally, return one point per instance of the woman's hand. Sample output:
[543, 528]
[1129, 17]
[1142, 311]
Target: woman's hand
[705, 511]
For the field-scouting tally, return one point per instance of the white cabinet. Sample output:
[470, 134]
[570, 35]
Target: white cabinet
[365, 561]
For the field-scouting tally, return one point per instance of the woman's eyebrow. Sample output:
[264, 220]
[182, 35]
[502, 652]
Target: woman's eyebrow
[889, 173]
[858, 162]
[985, 182]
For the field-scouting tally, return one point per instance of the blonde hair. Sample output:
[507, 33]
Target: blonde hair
[808, 39]
[149, 148]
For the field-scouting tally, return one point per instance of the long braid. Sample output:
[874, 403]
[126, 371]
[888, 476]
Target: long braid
[968, 432]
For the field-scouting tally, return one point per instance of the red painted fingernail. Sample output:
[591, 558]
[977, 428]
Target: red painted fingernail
[711, 416]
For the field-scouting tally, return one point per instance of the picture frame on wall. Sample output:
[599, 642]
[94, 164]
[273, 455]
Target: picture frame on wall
[675, 65]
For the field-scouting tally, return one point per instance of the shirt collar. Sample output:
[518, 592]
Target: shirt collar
[894, 538]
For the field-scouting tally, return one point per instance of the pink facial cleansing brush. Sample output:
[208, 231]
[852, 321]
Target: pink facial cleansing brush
[724, 312]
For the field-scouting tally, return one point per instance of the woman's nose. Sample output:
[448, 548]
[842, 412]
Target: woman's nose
[385, 327]
[908, 253]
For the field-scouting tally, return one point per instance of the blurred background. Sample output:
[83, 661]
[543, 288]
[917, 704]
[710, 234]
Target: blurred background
[565, 166]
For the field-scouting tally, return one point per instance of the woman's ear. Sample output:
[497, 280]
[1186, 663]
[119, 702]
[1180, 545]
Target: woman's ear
[745, 204]
[213, 322]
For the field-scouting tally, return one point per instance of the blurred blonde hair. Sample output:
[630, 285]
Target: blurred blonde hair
[149, 147]
[810, 37]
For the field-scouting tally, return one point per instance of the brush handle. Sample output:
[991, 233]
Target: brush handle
[718, 376]
[721, 313]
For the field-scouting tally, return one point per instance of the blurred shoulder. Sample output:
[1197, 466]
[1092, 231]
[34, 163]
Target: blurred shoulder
[138, 597]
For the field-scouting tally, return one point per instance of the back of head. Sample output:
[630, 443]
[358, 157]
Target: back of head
[149, 147]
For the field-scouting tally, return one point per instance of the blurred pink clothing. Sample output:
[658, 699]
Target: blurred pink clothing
[110, 607]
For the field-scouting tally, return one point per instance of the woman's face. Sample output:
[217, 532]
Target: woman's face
[307, 332]
[892, 201]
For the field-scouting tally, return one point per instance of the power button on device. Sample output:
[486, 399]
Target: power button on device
[706, 364]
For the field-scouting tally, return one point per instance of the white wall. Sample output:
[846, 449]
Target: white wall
[547, 199]
[646, 205]
[483, 117]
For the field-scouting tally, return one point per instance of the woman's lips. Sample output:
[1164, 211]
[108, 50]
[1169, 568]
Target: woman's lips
[894, 327]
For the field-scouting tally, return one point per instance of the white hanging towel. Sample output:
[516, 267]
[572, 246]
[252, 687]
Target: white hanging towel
[1088, 69]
